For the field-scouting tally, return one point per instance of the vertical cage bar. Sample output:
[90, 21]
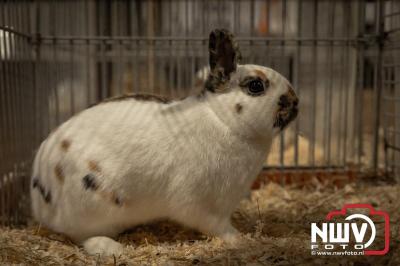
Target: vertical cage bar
[315, 83]
[347, 84]
[282, 54]
[378, 81]
[358, 144]
[296, 82]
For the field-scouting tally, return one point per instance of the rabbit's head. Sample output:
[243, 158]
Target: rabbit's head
[252, 100]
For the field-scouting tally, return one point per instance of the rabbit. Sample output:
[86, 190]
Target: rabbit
[138, 158]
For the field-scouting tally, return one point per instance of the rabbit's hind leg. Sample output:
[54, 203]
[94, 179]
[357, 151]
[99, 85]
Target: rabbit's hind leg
[103, 246]
[215, 225]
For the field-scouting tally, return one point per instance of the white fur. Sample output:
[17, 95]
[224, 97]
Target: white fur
[102, 245]
[190, 161]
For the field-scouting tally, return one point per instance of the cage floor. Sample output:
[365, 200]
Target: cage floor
[275, 224]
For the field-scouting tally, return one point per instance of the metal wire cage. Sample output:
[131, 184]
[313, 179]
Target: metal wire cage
[59, 57]
[390, 85]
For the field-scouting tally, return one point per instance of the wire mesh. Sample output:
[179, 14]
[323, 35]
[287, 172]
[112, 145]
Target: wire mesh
[390, 85]
[59, 57]
[18, 113]
[149, 46]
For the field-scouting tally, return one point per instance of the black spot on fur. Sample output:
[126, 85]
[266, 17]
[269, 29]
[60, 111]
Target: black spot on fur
[45, 194]
[288, 109]
[283, 101]
[47, 197]
[89, 182]
[117, 201]
[284, 117]
[42, 190]
[238, 108]
[35, 182]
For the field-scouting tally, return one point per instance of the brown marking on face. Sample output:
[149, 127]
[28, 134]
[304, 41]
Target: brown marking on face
[261, 75]
[65, 144]
[139, 97]
[238, 108]
[94, 166]
[287, 109]
[292, 97]
[58, 171]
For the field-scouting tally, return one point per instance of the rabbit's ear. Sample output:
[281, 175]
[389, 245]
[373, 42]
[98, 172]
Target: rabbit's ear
[224, 56]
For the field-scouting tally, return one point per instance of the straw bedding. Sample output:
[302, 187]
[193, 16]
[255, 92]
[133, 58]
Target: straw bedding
[275, 226]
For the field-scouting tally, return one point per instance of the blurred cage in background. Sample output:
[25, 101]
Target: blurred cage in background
[390, 72]
[59, 57]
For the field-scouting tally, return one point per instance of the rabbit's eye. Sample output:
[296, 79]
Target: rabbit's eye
[256, 87]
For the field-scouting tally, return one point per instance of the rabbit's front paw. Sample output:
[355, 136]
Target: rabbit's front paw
[103, 246]
[230, 236]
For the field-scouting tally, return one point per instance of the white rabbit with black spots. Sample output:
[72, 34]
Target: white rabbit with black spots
[138, 158]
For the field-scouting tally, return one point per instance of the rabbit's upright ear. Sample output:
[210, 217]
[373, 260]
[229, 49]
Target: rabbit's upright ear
[224, 57]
